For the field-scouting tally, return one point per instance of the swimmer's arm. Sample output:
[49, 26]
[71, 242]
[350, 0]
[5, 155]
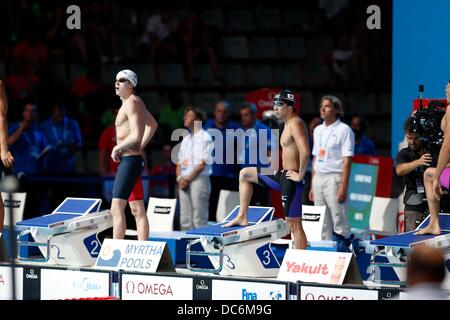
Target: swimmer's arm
[150, 128]
[299, 132]
[444, 154]
[135, 115]
[3, 124]
[6, 156]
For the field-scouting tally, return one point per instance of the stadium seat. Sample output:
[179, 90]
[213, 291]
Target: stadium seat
[152, 101]
[316, 74]
[171, 75]
[363, 103]
[263, 47]
[241, 20]
[145, 74]
[292, 47]
[268, 19]
[207, 101]
[308, 105]
[288, 74]
[259, 75]
[319, 46]
[235, 47]
[233, 75]
[214, 18]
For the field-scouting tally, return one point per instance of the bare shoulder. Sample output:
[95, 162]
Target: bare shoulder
[297, 124]
[134, 104]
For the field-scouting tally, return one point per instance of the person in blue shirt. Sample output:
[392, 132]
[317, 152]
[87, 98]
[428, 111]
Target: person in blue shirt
[224, 175]
[27, 142]
[63, 136]
[363, 144]
[255, 148]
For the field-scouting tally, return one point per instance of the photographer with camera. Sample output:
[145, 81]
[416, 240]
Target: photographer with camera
[410, 165]
[436, 178]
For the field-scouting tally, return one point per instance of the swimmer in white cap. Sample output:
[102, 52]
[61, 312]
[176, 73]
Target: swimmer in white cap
[135, 127]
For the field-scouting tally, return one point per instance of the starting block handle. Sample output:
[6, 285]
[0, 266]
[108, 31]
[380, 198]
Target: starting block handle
[21, 243]
[190, 253]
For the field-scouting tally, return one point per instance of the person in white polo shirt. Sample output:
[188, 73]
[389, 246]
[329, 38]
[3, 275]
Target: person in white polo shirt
[193, 171]
[333, 149]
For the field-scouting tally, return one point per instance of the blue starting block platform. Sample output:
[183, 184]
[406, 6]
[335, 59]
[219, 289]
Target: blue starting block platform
[68, 235]
[395, 248]
[240, 250]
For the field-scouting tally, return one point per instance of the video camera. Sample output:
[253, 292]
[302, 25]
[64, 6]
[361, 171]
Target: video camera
[427, 125]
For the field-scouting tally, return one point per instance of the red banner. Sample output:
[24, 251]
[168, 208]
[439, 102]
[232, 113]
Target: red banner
[263, 99]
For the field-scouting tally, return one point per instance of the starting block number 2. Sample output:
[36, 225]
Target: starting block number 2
[92, 244]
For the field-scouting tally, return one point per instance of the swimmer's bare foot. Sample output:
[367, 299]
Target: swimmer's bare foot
[236, 222]
[430, 229]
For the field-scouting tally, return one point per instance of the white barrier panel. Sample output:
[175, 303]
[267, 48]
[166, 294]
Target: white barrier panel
[383, 215]
[16, 203]
[69, 284]
[160, 214]
[147, 287]
[6, 283]
[132, 255]
[327, 293]
[227, 201]
[247, 290]
[313, 218]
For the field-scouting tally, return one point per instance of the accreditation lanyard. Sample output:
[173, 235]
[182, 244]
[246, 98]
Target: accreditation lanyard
[322, 147]
[63, 133]
[28, 138]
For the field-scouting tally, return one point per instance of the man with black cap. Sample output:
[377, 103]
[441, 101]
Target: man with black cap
[135, 127]
[333, 150]
[290, 180]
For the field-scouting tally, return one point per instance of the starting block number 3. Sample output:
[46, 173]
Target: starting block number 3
[267, 257]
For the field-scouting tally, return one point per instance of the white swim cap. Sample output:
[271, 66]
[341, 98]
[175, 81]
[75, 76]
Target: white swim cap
[129, 75]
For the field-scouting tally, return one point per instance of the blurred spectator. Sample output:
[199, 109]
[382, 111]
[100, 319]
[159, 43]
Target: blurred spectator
[252, 147]
[425, 272]
[31, 50]
[305, 195]
[411, 164]
[166, 168]
[196, 41]
[343, 61]
[160, 38]
[27, 142]
[193, 172]
[312, 125]
[102, 18]
[23, 82]
[64, 138]
[363, 144]
[62, 42]
[170, 117]
[224, 175]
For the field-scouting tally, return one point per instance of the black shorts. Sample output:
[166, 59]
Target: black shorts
[129, 171]
[291, 191]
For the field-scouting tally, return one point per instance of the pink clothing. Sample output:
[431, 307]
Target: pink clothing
[444, 179]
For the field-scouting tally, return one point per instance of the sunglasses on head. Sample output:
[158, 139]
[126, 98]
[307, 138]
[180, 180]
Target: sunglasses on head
[122, 80]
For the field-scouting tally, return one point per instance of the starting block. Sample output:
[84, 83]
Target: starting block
[240, 250]
[396, 248]
[69, 235]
